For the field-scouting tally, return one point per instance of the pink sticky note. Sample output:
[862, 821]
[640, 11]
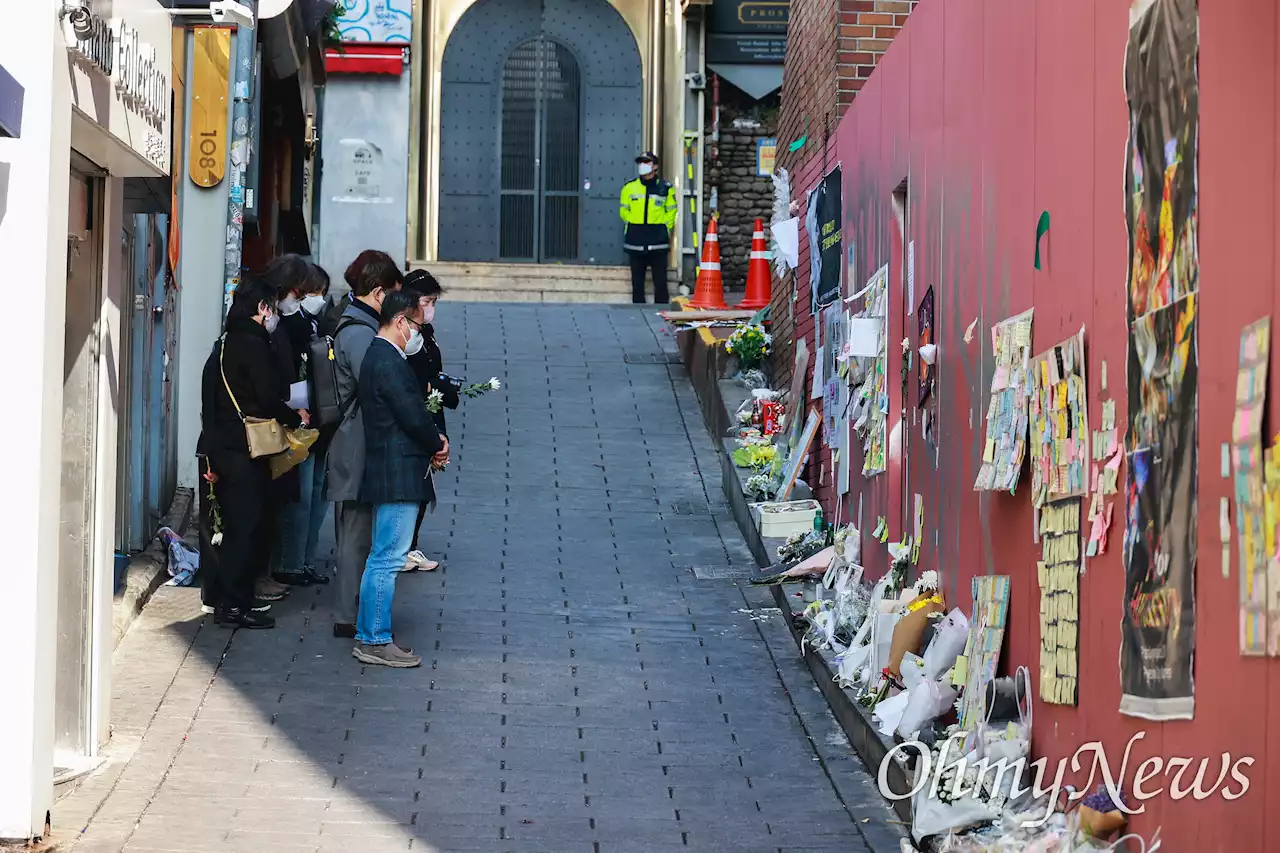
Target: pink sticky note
[1114, 462]
[1106, 526]
[1114, 445]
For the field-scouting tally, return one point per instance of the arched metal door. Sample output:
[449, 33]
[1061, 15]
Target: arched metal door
[584, 143]
[541, 145]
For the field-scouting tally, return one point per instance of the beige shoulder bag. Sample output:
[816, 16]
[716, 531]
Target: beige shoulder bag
[266, 437]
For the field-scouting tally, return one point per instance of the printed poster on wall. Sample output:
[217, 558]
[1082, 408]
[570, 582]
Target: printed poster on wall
[924, 329]
[1158, 627]
[826, 210]
[835, 390]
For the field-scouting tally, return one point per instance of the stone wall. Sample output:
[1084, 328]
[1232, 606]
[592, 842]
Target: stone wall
[742, 196]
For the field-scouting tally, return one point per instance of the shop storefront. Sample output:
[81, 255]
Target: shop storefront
[103, 89]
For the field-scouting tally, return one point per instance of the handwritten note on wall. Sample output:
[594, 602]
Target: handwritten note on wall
[1059, 574]
[1006, 440]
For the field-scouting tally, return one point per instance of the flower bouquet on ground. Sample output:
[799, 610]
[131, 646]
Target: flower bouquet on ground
[750, 344]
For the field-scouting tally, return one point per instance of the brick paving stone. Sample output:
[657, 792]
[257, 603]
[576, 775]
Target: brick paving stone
[581, 690]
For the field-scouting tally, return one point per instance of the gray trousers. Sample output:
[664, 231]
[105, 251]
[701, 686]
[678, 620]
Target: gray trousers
[355, 539]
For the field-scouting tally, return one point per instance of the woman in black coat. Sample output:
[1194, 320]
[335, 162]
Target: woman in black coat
[240, 380]
[428, 366]
[300, 492]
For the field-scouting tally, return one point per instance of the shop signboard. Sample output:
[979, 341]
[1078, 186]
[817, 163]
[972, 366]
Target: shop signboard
[132, 51]
[766, 156]
[210, 72]
[748, 31]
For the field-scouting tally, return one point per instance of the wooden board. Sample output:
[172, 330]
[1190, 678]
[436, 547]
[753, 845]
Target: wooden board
[697, 316]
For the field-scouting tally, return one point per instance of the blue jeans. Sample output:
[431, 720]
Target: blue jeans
[295, 521]
[392, 535]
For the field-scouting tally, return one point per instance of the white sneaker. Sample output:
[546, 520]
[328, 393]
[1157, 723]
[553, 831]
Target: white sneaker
[418, 562]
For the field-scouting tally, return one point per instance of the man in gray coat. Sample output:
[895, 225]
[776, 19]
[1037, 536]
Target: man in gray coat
[372, 275]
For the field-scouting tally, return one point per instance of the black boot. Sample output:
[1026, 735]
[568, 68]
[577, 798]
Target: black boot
[242, 617]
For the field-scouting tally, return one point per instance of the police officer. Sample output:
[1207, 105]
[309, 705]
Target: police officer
[648, 207]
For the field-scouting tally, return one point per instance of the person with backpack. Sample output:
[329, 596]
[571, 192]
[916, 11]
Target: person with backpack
[372, 276]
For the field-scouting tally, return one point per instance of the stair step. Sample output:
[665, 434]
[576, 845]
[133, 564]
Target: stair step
[489, 282]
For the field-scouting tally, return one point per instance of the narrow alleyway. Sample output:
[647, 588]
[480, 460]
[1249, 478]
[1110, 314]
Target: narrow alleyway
[582, 689]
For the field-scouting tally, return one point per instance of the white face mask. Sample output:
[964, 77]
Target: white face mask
[270, 322]
[289, 306]
[313, 304]
[645, 168]
[429, 313]
[414, 345]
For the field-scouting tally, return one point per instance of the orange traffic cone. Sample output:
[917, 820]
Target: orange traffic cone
[708, 293]
[758, 291]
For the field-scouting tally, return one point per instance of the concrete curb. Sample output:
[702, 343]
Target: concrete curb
[148, 569]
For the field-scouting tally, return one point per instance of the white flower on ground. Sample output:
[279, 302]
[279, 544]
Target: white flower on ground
[494, 384]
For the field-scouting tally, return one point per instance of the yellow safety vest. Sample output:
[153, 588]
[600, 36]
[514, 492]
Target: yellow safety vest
[649, 211]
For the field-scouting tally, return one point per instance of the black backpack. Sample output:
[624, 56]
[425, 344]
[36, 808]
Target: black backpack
[326, 406]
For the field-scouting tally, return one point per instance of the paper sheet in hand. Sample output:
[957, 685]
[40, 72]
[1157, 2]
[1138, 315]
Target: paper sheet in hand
[299, 396]
[863, 338]
[787, 235]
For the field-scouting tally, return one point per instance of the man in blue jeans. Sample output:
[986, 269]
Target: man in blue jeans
[402, 445]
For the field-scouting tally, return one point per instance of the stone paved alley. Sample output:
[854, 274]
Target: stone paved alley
[581, 690]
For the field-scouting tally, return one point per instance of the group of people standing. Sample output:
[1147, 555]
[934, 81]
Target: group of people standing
[373, 460]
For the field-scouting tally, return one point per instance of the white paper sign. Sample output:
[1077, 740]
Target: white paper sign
[911, 278]
[299, 396]
[815, 392]
[787, 235]
[361, 173]
[863, 338]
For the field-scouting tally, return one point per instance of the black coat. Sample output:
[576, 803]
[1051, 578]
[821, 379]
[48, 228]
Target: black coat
[399, 433]
[295, 330]
[427, 365]
[253, 374]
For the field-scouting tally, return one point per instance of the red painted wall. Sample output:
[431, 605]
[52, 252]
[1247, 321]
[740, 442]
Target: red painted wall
[993, 111]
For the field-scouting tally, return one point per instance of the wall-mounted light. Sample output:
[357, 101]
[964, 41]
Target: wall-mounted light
[76, 16]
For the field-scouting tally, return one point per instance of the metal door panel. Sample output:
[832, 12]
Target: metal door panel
[72, 739]
[610, 127]
[541, 151]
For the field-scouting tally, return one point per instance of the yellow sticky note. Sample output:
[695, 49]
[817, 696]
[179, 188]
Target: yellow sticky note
[960, 675]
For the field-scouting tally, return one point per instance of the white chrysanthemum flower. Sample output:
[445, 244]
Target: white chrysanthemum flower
[494, 384]
[928, 582]
[216, 539]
